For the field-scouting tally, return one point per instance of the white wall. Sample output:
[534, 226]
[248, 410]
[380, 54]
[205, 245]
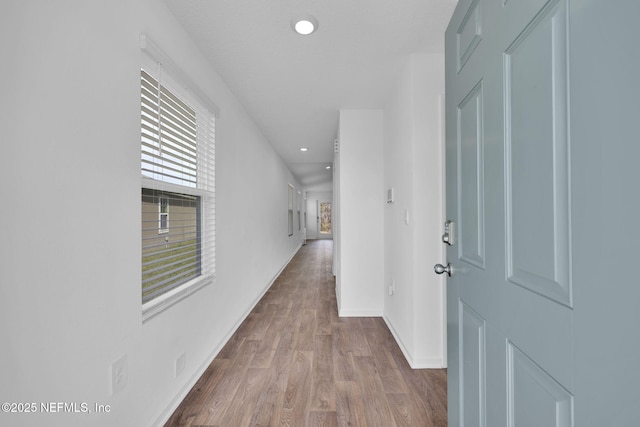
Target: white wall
[377, 244]
[324, 186]
[413, 167]
[360, 275]
[70, 227]
[337, 233]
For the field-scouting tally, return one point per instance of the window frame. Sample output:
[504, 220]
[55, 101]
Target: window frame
[180, 85]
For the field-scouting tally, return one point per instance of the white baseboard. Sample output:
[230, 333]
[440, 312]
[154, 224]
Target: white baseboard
[359, 313]
[420, 363]
[166, 414]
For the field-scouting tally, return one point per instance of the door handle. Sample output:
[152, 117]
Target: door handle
[440, 269]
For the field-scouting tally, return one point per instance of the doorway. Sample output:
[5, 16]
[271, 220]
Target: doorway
[319, 218]
[324, 219]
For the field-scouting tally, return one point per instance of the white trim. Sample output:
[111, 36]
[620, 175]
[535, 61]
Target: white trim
[166, 300]
[427, 363]
[264, 291]
[169, 410]
[360, 313]
[173, 405]
[442, 281]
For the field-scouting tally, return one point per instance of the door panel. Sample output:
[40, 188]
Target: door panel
[535, 399]
[507, 154]
[537, 165]
[469, 34]
[470, 177]
[472, 365]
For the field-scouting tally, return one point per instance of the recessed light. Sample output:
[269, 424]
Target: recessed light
[305, 25]
[304, 149]
[328, 167]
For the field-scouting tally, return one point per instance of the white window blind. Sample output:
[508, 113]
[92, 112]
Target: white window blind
[169, 150]
[178, 185]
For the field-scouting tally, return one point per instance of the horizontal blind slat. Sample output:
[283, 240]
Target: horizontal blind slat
[165, 265]
[173, 282]
[167, 139]
[168, 175]
[178, 103]
[178, 274]
[179, 115]
[168, 161]
[147, 248]
[178, 118]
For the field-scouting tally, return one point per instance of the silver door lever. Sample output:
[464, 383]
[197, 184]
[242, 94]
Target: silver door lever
[439, 269]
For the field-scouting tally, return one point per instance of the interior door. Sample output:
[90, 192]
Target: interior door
[510, 299]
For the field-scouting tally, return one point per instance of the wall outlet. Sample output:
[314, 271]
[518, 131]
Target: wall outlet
[180, 364]
[392, 288]
[119, 374]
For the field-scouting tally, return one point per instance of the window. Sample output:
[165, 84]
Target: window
[178, 193]
[163, 215]
[290, 210]
[298, 205]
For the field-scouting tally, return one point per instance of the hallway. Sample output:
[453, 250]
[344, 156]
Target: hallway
[293, 362]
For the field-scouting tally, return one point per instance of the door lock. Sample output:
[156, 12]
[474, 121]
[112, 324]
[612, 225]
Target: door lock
[449, 236]
[440, 269]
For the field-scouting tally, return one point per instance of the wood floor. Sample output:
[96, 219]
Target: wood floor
[293, 362]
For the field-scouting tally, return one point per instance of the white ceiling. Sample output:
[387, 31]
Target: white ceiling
[293, 86]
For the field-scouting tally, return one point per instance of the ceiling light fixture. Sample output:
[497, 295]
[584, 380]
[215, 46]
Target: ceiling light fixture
[328, 167]
[305, 25]
[303, 149]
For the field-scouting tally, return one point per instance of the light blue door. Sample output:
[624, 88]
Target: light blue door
[542, 98]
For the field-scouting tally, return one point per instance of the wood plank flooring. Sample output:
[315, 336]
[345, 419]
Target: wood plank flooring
[294, 362]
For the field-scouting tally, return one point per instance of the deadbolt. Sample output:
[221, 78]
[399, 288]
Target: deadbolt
[449, 236]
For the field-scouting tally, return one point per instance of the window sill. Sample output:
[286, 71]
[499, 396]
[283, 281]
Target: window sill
[163, 302]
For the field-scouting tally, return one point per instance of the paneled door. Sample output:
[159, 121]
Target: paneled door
[527, 149]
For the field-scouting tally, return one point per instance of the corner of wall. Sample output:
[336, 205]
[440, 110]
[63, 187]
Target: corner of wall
[414, 363]
[412, 127]
[360, 215]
